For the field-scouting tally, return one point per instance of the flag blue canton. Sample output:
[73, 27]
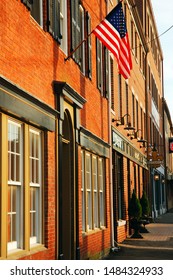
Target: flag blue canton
[116, 18]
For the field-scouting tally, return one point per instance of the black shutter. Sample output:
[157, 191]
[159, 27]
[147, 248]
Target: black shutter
[50, 15]
[106, 73]
[54, 19]
[99, 65]
[89, 50]
[57, 35]
[73, 24]
[27, 3]
[75, 29]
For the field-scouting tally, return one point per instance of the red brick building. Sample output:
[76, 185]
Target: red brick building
[55, 199]
[68, 158]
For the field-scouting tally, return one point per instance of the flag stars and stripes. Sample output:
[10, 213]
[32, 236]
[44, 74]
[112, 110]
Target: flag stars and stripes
[112, 33]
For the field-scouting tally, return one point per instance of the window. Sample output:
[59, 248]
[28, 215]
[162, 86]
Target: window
[77, 33]
[93, 192]
[57, 21]
[35, 187]
[36, 8]
[103, 68]
[22, 186]
[15, 186]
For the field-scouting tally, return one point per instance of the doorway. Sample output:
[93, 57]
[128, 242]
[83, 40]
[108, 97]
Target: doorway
[67, 189]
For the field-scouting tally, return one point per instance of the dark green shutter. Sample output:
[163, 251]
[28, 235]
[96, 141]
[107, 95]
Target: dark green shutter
[89, 58]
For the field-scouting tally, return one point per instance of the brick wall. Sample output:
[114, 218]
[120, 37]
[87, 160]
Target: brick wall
[32, 60]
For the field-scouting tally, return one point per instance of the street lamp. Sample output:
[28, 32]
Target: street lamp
[121, 121]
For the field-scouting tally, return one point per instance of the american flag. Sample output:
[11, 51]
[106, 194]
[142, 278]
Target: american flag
[112, 32]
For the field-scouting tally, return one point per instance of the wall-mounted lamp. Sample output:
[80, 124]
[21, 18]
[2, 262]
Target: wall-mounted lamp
[156, 177]
[121, 121]
[135, 135]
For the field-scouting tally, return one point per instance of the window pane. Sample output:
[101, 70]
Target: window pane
[88, 188]
[95, 188]
[34, 158]
[14, 151]
[13, 214]
[35, 187]
[83, 194]
[101, 193]
[14, 186]
[33, 212]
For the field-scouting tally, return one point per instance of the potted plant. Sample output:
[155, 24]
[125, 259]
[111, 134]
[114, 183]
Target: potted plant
[145, 205]
[135, 213]
[145, 211]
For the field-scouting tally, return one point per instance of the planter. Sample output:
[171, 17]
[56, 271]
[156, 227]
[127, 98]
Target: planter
[143, 223]
[136, 225]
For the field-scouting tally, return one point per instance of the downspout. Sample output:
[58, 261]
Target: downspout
[61, 256]
[149, 191]
[77, 184]
[164, 142]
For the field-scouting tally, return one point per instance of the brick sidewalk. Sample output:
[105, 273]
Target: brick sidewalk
[160, 233]
[156, 244]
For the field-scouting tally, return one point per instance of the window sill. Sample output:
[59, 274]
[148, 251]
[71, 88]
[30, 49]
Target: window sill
[19, 253]
[121, 223]
[93, 231]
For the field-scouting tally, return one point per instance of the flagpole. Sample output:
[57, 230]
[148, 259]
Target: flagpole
[84, 40]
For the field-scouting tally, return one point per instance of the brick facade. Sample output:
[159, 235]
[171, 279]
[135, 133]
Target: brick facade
[75, 120]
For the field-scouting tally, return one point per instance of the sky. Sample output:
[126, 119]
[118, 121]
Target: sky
[163, 12]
